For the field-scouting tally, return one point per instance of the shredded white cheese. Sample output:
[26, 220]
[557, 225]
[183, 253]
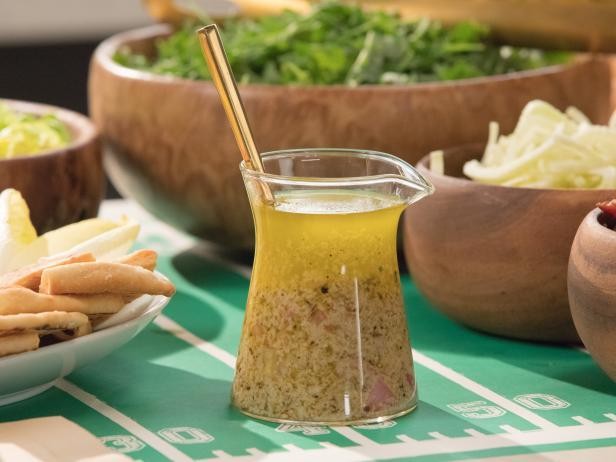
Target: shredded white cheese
[549, 149]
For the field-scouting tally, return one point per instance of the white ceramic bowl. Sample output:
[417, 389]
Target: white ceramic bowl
[27, 374]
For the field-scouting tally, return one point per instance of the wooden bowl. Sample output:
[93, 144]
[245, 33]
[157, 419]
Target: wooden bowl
[170, 146]
[592, 290]
[63, 185]
[493, 257]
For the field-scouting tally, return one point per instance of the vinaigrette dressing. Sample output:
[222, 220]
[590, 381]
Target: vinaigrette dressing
[325, 336]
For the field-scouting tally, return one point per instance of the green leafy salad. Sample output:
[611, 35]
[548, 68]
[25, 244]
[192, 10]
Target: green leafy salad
[24, 134]
[342, 44]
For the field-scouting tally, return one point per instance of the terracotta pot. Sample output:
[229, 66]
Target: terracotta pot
[63, 185]
[494, 257]
[171, 148]
[592, 290]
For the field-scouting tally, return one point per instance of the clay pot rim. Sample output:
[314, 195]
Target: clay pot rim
[475, 151]
[592, 221]
[82, 129]
[106, 49]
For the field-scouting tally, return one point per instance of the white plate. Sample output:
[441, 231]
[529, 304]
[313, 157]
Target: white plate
[27, 374]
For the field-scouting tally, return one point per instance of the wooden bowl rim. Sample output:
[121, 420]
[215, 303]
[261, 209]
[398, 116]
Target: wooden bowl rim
[82, 130]
[107, 48]
[460, 181]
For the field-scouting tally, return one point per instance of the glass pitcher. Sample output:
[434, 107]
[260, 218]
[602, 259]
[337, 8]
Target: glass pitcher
[325, 336]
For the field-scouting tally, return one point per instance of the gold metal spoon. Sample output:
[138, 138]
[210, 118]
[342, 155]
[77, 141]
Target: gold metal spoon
[222, 76]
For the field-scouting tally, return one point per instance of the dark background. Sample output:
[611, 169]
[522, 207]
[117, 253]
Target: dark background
[54, 74]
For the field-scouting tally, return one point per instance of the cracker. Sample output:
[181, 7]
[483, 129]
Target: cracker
[103, 277]
[146, 258]
[30, 276]
[18, 343]
[17, 300]
[42, 322]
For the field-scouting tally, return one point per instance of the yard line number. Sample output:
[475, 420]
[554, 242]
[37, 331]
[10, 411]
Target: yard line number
[484, 410]
[175, 435]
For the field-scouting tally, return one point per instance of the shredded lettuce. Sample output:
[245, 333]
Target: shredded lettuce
[26, 134]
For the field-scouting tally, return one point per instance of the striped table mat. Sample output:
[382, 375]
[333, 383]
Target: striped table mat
[165, 395]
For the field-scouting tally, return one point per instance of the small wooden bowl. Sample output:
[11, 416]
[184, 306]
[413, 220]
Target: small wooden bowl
[493, 257]
[170, 146]
[592, 290]
[63, 185]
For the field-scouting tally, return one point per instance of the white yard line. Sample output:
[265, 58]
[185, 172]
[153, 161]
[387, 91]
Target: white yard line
[482, 391]
[582, 420]
[574, 455]
[174, 328]
[145, 435]
[437, 436]
[354, 436]
[406, 438]
[414, 448]
[510, 429]
[473, 432]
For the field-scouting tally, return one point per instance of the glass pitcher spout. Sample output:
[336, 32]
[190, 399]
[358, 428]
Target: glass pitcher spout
[343, 170]
[412, 186]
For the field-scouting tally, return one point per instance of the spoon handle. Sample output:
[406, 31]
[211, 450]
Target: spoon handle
[219, 67]
[222, 75]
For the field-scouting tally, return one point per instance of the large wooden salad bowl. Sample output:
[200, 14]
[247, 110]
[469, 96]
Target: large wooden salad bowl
[170, 146]
[494, 257]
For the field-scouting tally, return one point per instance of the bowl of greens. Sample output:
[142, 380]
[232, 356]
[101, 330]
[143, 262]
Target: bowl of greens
[53, 157]
[336, 77]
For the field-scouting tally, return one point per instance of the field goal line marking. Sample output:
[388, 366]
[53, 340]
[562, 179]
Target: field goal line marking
[130, 425]
[405, 449]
